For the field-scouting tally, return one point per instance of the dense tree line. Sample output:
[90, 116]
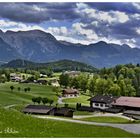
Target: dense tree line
[5, 73]
[121, 80]
[42, 100]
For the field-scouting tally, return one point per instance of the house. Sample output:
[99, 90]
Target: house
[15, 77]
[70, 92]
[63, 111]
[39, 109]
[127, 103]
[42, 81]
[72, 73]
[101, 101]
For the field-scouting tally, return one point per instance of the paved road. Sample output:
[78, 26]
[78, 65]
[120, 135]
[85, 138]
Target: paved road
[101, 115]
[132, 128]
[60, 100]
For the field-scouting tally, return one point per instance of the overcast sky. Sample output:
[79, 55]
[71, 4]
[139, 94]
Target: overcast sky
[76, 22]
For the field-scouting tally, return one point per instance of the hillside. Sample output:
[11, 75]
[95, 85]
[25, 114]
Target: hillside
[29, 127]
[56, 66]
[39, 46]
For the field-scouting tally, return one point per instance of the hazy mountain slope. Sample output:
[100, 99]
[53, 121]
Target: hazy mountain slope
[38, 46]
[7, 52]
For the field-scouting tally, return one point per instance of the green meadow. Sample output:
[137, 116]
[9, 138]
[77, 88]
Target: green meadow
[13, 123]
[106, 119]
[8, 97]
[16, 124]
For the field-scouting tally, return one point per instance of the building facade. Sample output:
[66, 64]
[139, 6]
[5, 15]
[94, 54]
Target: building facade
[70, 93]
[101, 101]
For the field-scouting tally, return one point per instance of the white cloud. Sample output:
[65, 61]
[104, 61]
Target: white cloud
[110, 17]
[81, 5]
[121, 16]
[94, 23]
[138, 30]
[88, 33]
[58, 30]
[136, 5]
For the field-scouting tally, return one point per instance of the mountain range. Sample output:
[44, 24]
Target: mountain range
[39, 46]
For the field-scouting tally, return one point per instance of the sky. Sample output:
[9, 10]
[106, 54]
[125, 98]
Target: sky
[78, 22]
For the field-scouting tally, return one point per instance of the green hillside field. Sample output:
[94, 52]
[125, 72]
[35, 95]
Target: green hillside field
[21, 125]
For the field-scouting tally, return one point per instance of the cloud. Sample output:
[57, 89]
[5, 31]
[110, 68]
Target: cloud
[89, 34]
[76, 22]
[138, 30]
[127, 7]
[108, 17]
[37, 12]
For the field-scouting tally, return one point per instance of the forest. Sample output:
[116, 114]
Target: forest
[121, 80]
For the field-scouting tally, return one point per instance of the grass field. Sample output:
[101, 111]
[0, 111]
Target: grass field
[81, 99]
[26, 126]
[106, 119]
[7, 97]
[82, 113]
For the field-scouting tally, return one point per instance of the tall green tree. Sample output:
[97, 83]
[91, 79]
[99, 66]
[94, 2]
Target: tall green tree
[64, 80]
[115, 90]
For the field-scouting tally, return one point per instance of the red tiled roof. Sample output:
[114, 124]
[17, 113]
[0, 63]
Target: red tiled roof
[127, 101]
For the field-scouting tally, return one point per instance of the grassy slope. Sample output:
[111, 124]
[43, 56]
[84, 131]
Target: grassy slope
[34, 127]
[107, 119]
[82, 99]
[82, 113]
[7, 97]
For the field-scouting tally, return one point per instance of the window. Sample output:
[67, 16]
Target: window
[96, 104]
[101, 105]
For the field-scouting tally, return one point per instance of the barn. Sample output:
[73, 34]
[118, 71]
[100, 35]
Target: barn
[127, 103]
[66, 112]
[48, 110]
[39, 109]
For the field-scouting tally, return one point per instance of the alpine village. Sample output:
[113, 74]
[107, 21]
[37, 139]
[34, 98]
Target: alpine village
[53, 87]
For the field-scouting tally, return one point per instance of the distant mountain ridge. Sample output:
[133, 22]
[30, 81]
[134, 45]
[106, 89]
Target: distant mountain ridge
[56, 66]
[39, 46]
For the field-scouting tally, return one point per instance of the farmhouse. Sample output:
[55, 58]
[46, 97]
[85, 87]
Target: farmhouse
[101, 101]
[70, 92]
[66, 112]
[127, 103]
[72, 73]
[39, 109]
[15, 77]
[42, 81]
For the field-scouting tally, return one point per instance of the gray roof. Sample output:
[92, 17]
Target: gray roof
[132, 112]
[103, 99]
[41, 109]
